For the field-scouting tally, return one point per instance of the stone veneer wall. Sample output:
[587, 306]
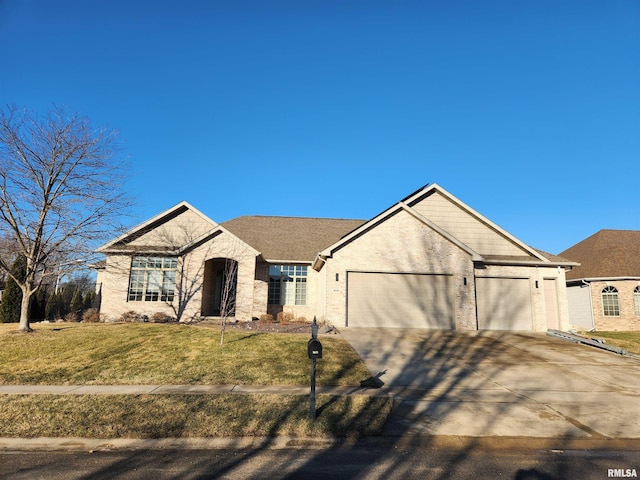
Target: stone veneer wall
[115, 282]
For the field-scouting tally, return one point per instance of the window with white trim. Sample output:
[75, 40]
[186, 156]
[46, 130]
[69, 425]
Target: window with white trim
[152, 279]
[287, 285]
[636, 300]
[610, 302]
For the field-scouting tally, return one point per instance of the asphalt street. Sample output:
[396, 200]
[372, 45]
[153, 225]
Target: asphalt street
[386, 461]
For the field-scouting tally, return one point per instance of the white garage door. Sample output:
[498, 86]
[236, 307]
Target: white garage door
[504, 304]
[400, 300]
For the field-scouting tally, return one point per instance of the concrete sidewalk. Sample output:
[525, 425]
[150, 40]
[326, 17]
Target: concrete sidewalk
[454, 418]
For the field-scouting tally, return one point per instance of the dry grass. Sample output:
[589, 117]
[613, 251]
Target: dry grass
[630, 341]
[182, 416]
[124, 354]
[148, 354]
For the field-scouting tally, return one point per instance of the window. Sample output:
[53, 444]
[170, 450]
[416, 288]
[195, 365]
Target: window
[610, 302]
[287, 285]
[152, 279]
[636, 300]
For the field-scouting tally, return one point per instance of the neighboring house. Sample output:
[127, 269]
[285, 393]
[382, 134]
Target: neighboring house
[604, 291]
[429, 261]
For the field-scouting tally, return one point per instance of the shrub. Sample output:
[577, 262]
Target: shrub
[72, 317]
[285, 317]
[160, 317]
[266, 318]
[91, 316]
[133, 317]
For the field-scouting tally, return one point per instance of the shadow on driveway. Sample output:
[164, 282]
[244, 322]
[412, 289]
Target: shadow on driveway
[500, 384]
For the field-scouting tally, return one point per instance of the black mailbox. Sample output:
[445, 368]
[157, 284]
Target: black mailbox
[314, 347]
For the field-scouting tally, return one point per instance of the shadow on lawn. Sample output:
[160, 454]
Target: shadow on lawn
[443, 364]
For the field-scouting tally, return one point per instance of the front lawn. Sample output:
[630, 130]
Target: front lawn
[151, 354]
[184, 416]
[630, 341]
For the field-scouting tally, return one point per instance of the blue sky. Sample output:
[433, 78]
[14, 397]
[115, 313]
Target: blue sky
[528, 111]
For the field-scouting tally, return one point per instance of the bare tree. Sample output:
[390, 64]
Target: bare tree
[228, 297]
[61, 192]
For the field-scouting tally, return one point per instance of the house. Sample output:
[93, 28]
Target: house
[604, 291]
[429, 261]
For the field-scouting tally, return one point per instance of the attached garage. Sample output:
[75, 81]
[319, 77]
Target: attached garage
[400, 300]
[430, 261]
[504, 303]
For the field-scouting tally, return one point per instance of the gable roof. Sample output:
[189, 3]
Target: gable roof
[120, 242]
[290, 239]
[284, 239]
[530, 256]
[125, 243]
[606, 254]
[303, 239]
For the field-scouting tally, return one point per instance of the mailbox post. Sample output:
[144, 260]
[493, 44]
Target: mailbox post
[314, 350]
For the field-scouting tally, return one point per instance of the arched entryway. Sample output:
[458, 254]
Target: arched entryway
[219, 287]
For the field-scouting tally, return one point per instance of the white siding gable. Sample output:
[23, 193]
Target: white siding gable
[466, 227]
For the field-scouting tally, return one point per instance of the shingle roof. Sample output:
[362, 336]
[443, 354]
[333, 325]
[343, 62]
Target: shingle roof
[555, 259]
[606, 254]
[290, 238]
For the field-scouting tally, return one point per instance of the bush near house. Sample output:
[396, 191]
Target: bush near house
[91, 315]
[160, 317]
[135, 317]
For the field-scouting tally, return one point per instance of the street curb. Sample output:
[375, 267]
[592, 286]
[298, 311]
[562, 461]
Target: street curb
[91, 445]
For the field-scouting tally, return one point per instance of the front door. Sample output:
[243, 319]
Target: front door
[219, 287]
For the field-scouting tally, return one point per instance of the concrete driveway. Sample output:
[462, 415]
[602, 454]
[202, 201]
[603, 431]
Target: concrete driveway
[501, 384]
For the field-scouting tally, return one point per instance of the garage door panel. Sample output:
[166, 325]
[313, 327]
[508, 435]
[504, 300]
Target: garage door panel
[399, 300]
[504, 303]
